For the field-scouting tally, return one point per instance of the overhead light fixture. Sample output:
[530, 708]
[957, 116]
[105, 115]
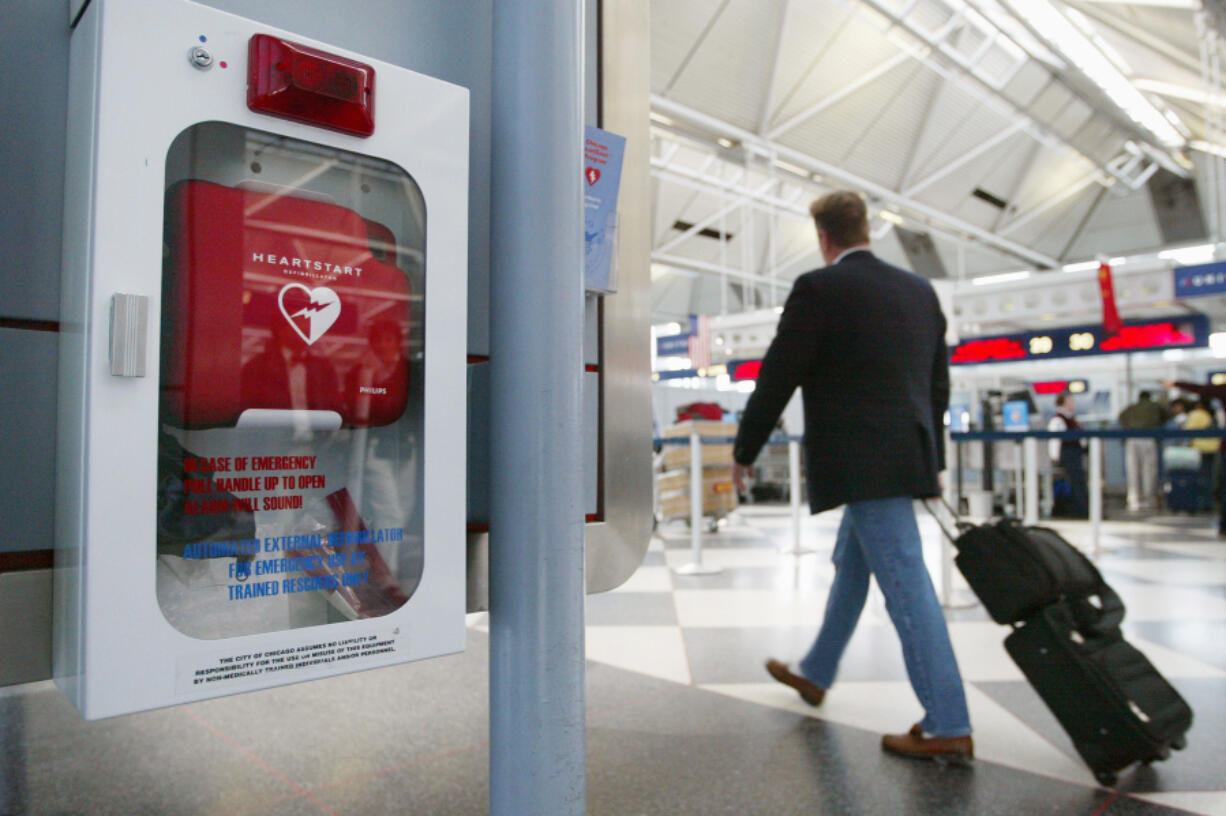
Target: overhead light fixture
[892, 217]
[1217, 344]
[1170, 89]
[1083, 266]
[724, 142]
[661, 118]
[1116, 261]
[881, 231]
[1004, 277]
[674, 363]
[1189, 5]
[795, 169]
[1063, 34]
[1202, 253]
[1208, 147]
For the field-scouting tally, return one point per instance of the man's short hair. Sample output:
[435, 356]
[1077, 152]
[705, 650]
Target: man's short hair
[843, 216]
[1063, 398]
[1145, 395]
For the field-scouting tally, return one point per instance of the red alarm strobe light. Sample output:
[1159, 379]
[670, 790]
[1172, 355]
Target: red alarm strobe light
[297, 82]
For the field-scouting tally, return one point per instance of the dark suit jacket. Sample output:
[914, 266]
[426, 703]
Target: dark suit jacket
[865, 341]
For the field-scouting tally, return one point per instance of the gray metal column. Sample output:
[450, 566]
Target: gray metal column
[537, 745]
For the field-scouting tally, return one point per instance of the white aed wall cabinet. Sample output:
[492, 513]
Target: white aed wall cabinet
[262, 366]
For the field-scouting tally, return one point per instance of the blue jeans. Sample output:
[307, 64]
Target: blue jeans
[880, 538]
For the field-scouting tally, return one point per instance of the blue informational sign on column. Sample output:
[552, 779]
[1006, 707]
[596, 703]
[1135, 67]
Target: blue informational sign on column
[673, 345]
[602, 171]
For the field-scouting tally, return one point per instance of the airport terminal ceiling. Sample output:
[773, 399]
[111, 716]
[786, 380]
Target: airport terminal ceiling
[990, 136]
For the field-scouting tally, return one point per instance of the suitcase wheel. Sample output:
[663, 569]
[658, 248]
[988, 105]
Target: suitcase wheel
[1106, 779]
[1163, 753]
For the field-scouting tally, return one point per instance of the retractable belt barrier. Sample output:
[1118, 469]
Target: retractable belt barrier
[1027, 474]
[1028, 466]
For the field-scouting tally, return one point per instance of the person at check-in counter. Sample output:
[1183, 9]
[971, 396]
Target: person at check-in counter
[1206, 391]
[1068, 453]
[1141, 455]
[865, 342]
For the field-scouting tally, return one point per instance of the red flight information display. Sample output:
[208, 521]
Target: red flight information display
[744, 370]
[1078, 341]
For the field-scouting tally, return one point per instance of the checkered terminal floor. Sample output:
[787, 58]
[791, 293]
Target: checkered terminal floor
[681, 717]
[714, 632]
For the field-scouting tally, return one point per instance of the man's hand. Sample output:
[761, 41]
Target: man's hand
[739, 472]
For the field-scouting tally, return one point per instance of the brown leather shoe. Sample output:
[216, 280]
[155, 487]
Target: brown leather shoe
[913, 744]
[811, 694]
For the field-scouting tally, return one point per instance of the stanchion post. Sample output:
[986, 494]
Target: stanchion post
[696, 567]
[1018, 477]
[958, 453]
[1030, 456]
[696, 495]
[947, 563]
[794, 496]
[1096, 494]
[949, 486]
[947, 571]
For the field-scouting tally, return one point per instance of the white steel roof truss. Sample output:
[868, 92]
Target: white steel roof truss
[841, 94]
[768, 99]
[702, 224]
[1066, 193]
[702, 37]
[966, 158]
[935, 217]
[988, 90]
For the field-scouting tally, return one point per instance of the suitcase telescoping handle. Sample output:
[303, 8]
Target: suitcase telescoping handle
[958, 523]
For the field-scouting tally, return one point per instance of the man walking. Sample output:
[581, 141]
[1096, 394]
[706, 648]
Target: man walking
[865, 342]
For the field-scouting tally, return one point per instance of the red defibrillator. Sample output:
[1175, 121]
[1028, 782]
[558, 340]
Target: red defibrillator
[279, 303]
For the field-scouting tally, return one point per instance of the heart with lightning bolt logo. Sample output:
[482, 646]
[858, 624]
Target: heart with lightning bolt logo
[311, 312]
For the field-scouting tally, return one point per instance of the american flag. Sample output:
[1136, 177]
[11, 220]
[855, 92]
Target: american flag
[700, 342]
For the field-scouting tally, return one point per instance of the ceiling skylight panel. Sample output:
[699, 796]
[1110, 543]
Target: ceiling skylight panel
[1064, 36]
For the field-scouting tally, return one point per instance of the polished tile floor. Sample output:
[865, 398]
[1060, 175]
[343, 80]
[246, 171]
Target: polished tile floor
[1170, 571]
[681, 717]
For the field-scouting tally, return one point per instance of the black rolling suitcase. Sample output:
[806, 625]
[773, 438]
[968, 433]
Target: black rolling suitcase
[1109, 698]
[1184, 491]
[1017, 570]
[1115, 706]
